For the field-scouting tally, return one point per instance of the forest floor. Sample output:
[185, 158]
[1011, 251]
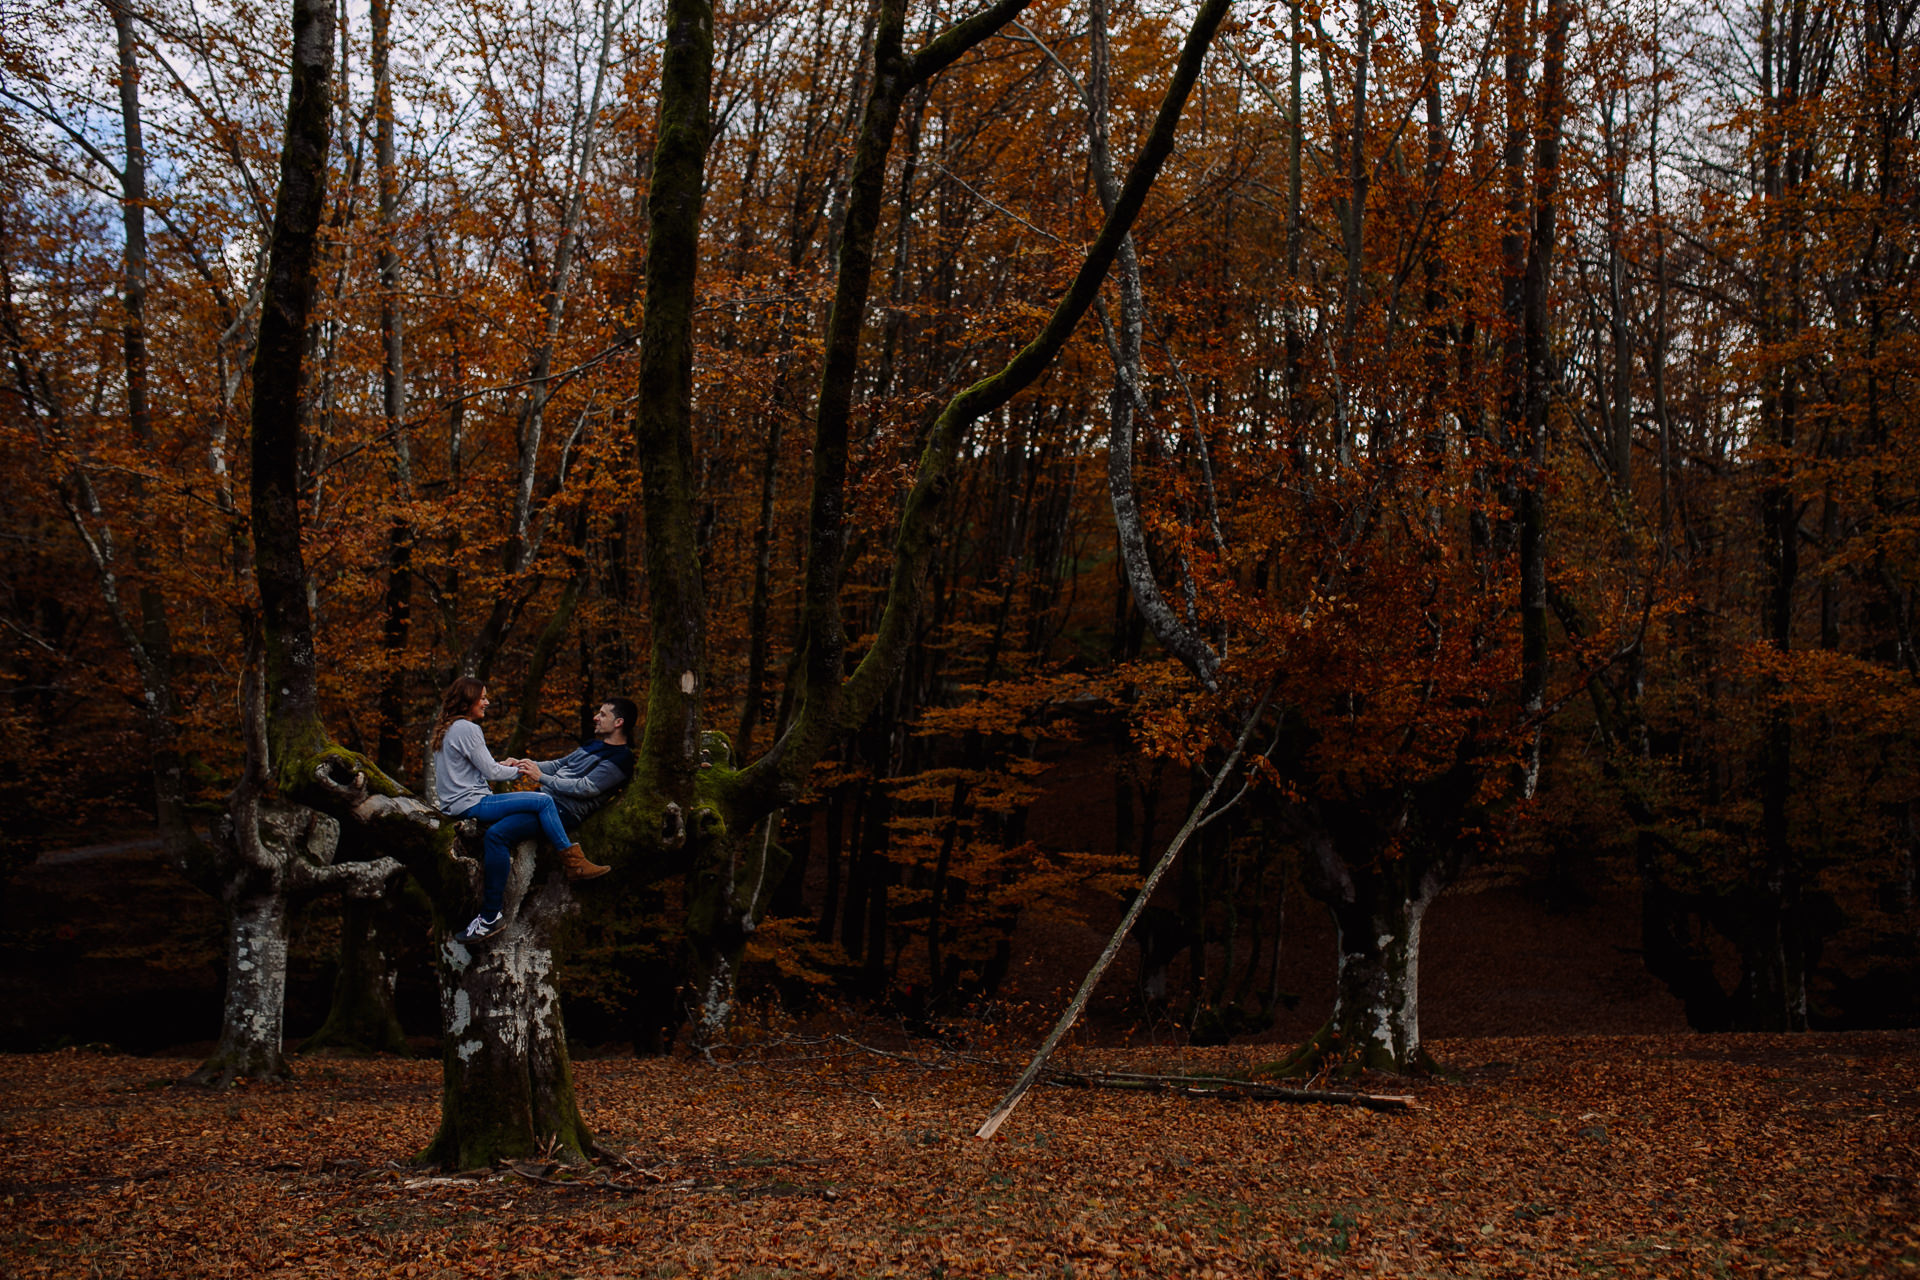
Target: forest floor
[1663, 1155]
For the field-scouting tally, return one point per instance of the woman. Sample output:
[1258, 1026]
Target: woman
[462, 770]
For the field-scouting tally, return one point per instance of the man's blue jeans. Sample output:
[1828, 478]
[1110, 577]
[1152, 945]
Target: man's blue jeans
[512, 817]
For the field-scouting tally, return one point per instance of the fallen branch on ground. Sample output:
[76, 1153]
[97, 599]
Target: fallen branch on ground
[1226, 1087]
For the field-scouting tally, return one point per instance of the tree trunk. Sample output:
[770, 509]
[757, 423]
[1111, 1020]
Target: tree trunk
[274, 854]
[1127, 401]
[506, 1081]
[526, 719]
[393, 383]
[251, 1025]
[1376, 1004]
[362, 1017]
[279, 565]
[1772, 993]
[873, 969]
[731, 887]
[154, 655]
[1536, 387]
[788, 900]
[1377, 905]
[839, 801]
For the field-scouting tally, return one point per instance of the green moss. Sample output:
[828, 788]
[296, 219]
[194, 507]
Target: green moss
[297, 745]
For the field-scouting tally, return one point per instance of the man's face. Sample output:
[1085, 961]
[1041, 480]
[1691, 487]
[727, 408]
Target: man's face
[604, 721]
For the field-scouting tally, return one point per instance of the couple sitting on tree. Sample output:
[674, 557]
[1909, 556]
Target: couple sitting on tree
[570, 788]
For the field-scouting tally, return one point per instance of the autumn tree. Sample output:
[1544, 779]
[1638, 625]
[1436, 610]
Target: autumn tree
[1764, 806]
[507, 1078]
[1367, 535]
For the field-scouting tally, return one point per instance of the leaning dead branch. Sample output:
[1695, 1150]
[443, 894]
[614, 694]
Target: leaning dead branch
[1195, 820]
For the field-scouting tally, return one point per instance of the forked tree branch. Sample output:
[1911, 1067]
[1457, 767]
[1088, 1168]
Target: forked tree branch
[832, 708]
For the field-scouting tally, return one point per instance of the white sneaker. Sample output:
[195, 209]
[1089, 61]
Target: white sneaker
[483, 928]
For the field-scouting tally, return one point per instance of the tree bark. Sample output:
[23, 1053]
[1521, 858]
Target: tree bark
[1127, 401]
[662, 423]
[362, 1018]
[1772, 994]
[260, 846]
[294, 730]
[155, 649]
[393, 400]
[1536, 383]
[1378, 904]
[730, 890]
[251, 1022]
[506, 1080]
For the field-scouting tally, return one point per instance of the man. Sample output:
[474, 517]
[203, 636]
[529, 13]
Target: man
[579, 782]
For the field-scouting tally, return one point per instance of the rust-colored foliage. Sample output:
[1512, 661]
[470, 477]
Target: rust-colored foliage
[1333, 458]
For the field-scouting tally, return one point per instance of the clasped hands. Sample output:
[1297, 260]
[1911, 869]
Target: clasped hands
[528, 769]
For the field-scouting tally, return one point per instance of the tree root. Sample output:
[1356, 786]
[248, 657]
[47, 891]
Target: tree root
[224, 1075]
[1331, 1055]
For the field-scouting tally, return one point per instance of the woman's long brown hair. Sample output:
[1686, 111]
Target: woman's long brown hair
[459, 700]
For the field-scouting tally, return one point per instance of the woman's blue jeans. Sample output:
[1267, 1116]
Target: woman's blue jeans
[512, 817]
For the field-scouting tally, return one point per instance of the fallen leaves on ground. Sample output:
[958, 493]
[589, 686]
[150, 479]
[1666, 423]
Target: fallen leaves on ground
[1609, 1156]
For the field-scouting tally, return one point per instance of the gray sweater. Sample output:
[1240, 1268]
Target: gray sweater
[463, 767]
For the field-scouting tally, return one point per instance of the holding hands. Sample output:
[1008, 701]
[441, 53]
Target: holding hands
[528, 769]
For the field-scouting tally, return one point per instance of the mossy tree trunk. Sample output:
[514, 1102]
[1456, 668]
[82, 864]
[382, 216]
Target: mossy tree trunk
[266, 859]
[362, 1017]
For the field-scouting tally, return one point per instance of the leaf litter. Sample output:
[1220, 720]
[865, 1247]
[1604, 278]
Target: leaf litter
[1604, 1156]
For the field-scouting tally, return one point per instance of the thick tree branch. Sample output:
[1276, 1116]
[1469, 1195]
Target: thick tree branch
[279, 564]
[663, 416]
[918, 523]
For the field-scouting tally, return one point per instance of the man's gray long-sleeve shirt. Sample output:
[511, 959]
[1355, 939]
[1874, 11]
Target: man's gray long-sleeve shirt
[583, 779]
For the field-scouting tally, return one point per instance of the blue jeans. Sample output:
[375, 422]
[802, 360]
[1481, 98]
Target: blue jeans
[513, 817]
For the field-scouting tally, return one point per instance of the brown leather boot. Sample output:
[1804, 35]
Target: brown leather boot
[578, 867]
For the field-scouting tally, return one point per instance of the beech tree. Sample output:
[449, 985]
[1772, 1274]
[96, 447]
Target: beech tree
[508, 1087]
[1372, 548]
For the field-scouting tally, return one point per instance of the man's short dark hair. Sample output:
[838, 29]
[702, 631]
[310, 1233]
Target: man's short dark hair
[625, 712]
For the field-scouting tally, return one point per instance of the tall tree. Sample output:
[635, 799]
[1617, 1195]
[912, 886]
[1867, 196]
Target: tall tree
[508, 1082]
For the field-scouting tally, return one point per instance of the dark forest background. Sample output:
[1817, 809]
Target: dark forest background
[1524, 394]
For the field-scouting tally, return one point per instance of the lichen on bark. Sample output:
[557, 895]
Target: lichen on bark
[506, 1079]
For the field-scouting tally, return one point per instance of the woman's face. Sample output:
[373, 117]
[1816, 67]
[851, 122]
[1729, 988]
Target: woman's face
[479, 709]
